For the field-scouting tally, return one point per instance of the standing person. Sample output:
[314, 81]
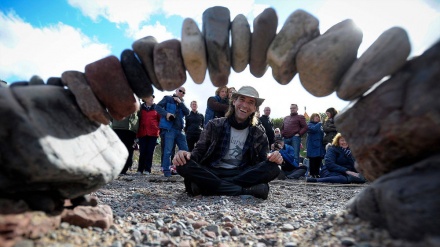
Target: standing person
[147, 134]
[126, 130]
[231, 157]
[217, 105]
[329, 126]
[268, 125]
[231, 91]
[194, 123]
[277, 132]
[315, 149]
[294, 126]
[339, 165]
[172, 111]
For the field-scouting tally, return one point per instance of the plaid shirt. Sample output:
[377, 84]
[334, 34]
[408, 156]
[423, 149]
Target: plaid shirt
[214, 144]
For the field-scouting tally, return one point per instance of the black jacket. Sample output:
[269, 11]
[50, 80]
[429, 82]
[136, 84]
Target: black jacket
[194, 123]
[268, 126]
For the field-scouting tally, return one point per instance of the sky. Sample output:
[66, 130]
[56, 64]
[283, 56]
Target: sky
[46, 38]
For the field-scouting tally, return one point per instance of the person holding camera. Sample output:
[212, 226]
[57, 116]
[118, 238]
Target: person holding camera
[289, 167]
[172, 111]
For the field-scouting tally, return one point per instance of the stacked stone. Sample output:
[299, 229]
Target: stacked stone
[386, 139]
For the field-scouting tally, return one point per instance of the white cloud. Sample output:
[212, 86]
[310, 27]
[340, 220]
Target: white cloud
[158, 31]
[48, 51]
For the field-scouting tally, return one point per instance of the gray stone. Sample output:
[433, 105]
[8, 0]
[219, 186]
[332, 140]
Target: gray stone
[144, 50]
[109, 83]
[36, 80]
[48, 145]
[299, 28]
[85, 98]
[168, 64]
[193, 50]
[404, 201]
[241, 43]
[54, 81]
[384, 57]
[403, 117]
[136, 75]
[216, 22]
[322, 62]
[265, 29]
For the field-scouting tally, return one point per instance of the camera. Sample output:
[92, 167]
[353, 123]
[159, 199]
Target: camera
[276, 146]
[171, 118]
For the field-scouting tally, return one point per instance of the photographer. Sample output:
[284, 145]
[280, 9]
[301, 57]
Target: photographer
[172, 110]
[290, 167]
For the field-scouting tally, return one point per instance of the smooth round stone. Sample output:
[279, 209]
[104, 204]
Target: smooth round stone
[193, 51]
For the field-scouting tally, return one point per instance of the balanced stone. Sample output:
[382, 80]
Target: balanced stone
[136, 76]
[216, 21]
[240, 43]
[85, 98]
[322, 62]
[54, 81]
[108, 82]
[299, 28]
[193, 50]
[384, 57]
[403, 117]
[144, 50]
[36, 80]
[50, 146]
[168, 64]
[265, 29]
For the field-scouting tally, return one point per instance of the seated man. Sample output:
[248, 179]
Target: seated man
[290, 167]
[231, 157]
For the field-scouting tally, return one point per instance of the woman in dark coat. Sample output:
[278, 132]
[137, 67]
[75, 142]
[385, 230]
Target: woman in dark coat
[315, 149]
[329, 126]
[339, 164]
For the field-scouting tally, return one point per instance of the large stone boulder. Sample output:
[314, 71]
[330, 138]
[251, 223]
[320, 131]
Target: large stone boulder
[48, 146]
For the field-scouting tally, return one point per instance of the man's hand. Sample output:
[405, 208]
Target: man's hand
[275, 157]
[168, 116]
[177, 99]
[181, 157]
[354, 174]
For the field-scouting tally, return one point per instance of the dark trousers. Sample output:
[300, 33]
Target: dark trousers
[127, 137]
[315, 165]
[147, 144]
[191, 140]
[230, 182]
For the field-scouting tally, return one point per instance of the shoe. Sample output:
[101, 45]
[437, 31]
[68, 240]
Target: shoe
[195, 189]
[167, 174]
[311, 180]
[258, 191]
[139, 173]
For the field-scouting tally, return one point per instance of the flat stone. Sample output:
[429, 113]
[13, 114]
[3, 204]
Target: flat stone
[322, 62]
[19, 84]
[300, 27]
[55, 81]
[403, 118]
[144, 48]
[137, 77]
[168, 64]
[384, 57]
[265, 28]
[216, 21]
[110, 85]
[50, 146]
[241, 43]
[85, 98]
[87, 216]
[193, 51]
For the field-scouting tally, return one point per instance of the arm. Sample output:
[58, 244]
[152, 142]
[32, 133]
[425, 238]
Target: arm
[185, 109]
[217, 106]
[289, 155]
[303, 126]
[314, 128]
[329, 126]
[160, 107]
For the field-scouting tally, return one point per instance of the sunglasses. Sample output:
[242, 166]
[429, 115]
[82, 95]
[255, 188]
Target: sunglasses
[182, 91]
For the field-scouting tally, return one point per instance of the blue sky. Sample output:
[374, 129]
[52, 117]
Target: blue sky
[46, 38]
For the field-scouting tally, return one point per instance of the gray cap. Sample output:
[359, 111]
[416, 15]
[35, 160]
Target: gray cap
[249, 91]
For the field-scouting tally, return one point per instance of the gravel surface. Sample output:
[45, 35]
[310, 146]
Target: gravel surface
[151, 210]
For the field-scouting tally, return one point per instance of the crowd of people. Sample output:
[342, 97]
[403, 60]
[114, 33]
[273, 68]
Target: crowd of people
[231, 149]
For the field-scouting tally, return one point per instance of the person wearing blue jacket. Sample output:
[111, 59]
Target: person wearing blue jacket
[339, 164]
[172, 111]
[315, 149]
[289, 167]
